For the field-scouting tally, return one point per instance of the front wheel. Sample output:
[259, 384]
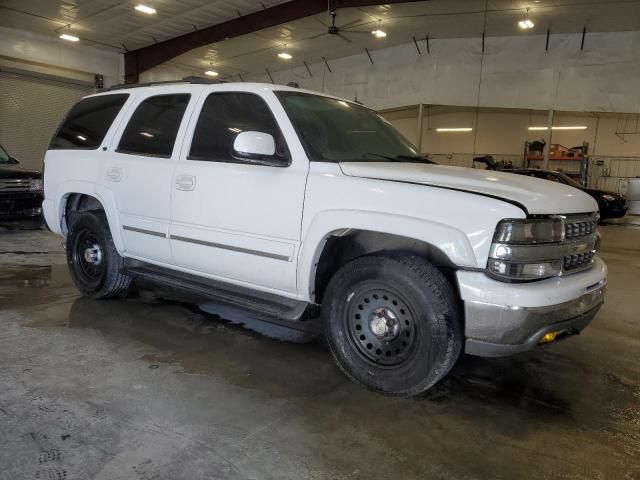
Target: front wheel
[94, 263]
[392, 323]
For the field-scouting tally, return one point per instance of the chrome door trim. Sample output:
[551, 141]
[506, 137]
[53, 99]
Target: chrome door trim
[142, 230]
[232, 248]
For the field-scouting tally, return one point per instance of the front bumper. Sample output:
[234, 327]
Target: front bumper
[21, 210]
[503, 319]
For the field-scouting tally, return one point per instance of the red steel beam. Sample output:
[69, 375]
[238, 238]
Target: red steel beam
[137, 61]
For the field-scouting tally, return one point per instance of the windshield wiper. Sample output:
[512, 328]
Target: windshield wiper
[386, 157]
[402, 158]
[415, 158]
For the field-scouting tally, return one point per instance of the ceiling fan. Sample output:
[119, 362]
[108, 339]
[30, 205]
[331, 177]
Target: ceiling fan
[334, 29]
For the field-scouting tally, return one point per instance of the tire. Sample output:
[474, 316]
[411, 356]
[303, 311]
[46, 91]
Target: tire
[392, 323]
[96, 273]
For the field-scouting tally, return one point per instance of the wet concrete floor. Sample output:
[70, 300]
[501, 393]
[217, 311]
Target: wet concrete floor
[145, 389]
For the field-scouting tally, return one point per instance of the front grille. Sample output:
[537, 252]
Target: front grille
[14, 185]
[580, 260]
[575, 228]
[580, 228]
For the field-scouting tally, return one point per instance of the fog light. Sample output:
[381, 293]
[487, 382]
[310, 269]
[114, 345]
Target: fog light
[548, 337]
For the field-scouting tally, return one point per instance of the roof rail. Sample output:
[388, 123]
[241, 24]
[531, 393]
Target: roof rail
[191, 79]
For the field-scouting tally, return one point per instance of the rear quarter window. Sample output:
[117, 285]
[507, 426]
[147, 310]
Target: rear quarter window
[154, 125]
[87, 123]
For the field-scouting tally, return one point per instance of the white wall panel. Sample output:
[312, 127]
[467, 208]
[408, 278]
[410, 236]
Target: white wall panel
[70, 59]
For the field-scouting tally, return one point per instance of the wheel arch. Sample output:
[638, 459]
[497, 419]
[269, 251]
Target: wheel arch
[326, 249]
[81, 199]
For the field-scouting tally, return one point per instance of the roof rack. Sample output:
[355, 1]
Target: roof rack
[191, 79]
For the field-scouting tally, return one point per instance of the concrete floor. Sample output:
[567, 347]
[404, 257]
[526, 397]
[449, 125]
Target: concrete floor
[150, 390]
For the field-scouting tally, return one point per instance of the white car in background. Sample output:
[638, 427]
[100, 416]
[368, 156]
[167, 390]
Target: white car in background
[274, 202]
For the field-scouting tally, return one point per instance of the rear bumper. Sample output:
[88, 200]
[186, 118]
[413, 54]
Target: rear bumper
[504, 319]
[613, 213]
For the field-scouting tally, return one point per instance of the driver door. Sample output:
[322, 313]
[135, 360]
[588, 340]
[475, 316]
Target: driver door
[232, 219]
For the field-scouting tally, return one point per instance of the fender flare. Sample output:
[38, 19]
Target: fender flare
[102, 195]
[452, 242]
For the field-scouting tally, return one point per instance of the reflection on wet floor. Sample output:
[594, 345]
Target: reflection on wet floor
[571, 410]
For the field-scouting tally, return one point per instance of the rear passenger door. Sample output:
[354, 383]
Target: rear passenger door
[138, 170]
[233, 219]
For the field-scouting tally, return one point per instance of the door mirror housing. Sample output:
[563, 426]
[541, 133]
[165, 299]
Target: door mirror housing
[13, 161]
[254, 145]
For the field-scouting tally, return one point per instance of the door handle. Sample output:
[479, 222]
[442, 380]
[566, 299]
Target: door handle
[185, 182]
[114, 174]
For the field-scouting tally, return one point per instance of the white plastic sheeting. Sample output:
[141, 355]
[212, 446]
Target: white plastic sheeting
[517, 72]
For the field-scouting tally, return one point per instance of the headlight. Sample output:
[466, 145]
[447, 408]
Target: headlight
[608, 198]
[530, 231]
[533, 249]
[36, 185]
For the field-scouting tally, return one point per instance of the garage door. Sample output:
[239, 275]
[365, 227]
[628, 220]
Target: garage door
[30, 110]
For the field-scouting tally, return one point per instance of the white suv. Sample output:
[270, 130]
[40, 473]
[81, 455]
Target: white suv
[273, 201]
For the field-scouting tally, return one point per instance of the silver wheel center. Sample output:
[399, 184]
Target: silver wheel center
[93, 254]
[384, 323]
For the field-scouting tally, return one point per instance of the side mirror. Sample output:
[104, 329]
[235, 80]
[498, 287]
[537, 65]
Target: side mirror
[254, 145]
[13, 161]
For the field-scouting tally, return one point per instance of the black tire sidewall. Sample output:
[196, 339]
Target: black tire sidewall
[95, 222]
[435, 315]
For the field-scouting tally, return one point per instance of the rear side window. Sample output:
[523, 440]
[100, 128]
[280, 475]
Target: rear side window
[87, 123]
[223, 116]
[153, 127]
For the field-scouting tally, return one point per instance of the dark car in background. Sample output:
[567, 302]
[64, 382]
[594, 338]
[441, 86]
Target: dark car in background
[21, 194]
[611, 204]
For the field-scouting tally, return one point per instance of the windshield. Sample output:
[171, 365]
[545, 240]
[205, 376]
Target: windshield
[4, 156]
[564, 178]
[337, 131]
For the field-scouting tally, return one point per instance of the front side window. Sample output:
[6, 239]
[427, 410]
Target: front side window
[153, 127]
[4, 155]
[333, 130]
[224, 115]
[87, 123]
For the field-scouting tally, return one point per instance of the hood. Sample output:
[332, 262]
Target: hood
[537, 196]
[15, 171]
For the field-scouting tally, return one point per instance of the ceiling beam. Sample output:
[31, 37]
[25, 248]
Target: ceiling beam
[142, 59]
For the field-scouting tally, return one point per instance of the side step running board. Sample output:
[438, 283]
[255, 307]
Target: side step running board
[267, 314]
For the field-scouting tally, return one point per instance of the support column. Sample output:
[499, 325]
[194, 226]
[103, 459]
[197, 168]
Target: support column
[420, 116]
[545, 163]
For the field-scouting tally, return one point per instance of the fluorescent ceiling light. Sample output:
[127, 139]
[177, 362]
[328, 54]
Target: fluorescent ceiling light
[145, 9]
[525, 24]
[234, 129]
[211, 73]
[285, 56]
[146, 134]
[80, 137]
[458, 129]
[70, 38]
[568, 127]
[379, 33]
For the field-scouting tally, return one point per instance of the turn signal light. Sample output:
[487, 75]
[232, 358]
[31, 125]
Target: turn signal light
[548, 337]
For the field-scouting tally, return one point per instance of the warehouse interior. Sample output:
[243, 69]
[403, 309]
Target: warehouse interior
[150, 386]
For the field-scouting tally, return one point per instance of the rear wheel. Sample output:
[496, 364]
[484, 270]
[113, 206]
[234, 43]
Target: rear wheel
[392, 323]
[94, 263]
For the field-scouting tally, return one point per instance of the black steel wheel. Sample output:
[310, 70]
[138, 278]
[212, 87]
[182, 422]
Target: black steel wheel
[88, 254]
[392, 323]
[94, 263]
[382, 326]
